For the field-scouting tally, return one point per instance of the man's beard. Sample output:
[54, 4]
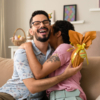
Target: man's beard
[44, 39]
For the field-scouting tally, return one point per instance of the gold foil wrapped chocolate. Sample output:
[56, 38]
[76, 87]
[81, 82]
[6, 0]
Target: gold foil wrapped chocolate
[80, 43]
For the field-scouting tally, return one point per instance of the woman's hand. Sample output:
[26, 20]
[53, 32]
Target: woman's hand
[25, 45]
[70, 71]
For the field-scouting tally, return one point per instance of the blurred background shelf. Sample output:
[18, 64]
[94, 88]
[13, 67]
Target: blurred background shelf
[74, 22]
[94, 9]
[78, 22]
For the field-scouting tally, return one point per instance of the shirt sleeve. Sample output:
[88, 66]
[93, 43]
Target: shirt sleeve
[21, 64]
[63, 54]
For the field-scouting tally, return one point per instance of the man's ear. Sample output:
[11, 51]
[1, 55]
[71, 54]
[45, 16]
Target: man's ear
[58, 34]
[31, 31]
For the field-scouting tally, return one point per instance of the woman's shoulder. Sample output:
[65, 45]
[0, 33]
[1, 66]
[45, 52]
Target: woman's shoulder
[62, 53]
[62, 48]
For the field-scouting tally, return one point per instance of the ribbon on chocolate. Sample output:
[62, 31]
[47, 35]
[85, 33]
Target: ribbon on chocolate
[80, 47]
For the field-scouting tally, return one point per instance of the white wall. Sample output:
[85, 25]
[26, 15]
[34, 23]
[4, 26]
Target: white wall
[18, 12]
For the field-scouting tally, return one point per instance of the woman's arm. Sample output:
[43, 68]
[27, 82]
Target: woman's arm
[40, 71]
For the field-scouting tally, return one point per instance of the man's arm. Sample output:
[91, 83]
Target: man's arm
[35, 86]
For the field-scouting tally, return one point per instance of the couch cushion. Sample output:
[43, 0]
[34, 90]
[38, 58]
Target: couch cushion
[6, 70]
[90, 81]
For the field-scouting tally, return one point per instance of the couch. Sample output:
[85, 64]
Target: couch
[90, 81]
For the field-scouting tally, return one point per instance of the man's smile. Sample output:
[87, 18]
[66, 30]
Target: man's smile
[42, 31]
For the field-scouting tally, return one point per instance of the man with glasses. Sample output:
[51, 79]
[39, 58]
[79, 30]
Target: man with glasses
[23, 85]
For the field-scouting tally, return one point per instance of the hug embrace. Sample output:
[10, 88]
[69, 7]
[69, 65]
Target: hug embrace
[45, 64]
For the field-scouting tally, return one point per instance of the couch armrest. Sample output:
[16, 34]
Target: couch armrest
[6, 70]
[90, 81]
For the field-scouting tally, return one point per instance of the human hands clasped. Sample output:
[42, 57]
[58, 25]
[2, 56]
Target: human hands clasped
[70, 71]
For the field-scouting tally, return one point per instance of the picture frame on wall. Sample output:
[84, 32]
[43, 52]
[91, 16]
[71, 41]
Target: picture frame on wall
[69, 12]
[99, 3]
[51, 16]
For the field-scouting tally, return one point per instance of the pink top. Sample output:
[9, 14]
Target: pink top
[71, 83]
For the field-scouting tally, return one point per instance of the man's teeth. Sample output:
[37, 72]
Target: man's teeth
[42, 31]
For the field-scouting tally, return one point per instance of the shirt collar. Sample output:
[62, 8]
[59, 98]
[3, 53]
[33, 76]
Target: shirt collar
[37, 51]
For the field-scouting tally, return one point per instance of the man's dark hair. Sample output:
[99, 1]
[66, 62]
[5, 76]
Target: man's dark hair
[64, 27]
[37, 13]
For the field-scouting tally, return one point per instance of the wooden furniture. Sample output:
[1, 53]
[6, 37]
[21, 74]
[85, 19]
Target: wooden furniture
[13, 49]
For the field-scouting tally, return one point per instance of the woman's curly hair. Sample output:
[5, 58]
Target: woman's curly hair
[64, 27]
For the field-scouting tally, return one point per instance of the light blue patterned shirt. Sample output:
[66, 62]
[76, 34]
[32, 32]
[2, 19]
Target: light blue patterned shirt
[15, 85]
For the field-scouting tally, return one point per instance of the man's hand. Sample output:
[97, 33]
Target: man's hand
[69, 71]
[25, 45]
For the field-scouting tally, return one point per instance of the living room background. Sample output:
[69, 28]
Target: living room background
[17, 14]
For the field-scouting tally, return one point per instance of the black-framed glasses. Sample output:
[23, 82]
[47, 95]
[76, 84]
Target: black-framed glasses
[38, 23]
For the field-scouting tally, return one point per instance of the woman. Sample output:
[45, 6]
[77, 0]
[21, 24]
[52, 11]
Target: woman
[56, 64]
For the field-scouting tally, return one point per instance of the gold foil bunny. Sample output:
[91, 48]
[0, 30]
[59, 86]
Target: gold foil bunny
[80, 43]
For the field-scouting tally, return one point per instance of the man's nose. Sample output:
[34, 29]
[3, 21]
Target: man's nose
[41, 24]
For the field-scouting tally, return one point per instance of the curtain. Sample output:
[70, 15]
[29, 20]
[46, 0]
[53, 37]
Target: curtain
[2, 31]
